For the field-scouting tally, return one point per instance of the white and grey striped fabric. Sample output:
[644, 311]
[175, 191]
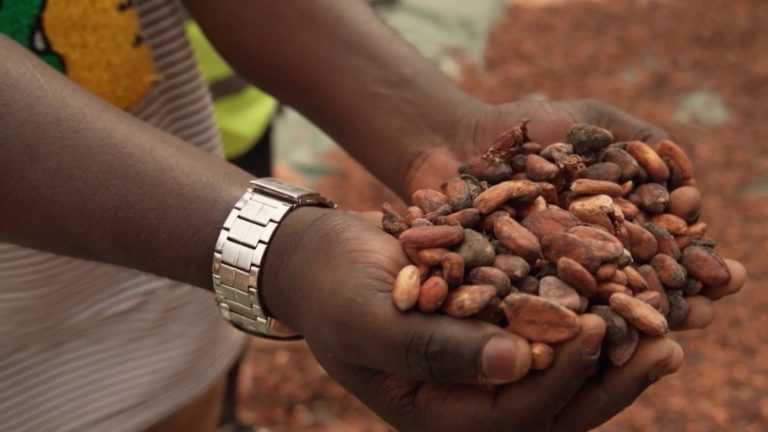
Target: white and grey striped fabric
[86, 346]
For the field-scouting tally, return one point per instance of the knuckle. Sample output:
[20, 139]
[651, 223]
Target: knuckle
[425, 356]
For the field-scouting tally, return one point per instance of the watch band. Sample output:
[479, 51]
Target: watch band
[241, 248]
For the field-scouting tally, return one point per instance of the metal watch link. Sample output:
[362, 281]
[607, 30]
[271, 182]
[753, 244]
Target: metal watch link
[241, 248]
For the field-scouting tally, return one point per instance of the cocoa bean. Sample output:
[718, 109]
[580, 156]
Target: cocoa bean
[476, 250]
[625, 259]
[545, 268]
[666, 243]
[587, 139]
[467, 218]
[628, 165]
[640, 314]
[550, 221]
[596, 187]
[443, 210]
[412, 213]
[492, 313]
[597, 209]
[557, 152]
[675, 179]
[421, 222]
[425, 272]
[538, 319]
[693, 287]
[678, 308]
[468, 300]
[538, 205]
[667, 148]
[606, 289]
[532, 148]
[576, 276]
[685, 202]
[542, 356]
[490, 220]
[649, 160]
[491, 276]
[635, 281]
[424, 237]
[539, 169]
[517, 192]
[654, 284]
[671, 274]
[615, 325]
[391, 221]
[428, 200]
[552, 288]
[513, 266]
[432, 256]
[561, 245]
[487, 169]
[674, 224]
[457, 192]
[405, 290]
[583, 305]
[627, 208]
[653, 197]
[620, 353]
[698, 230]
[704, 265]
[549, 193]
[642, 243]
[620, 278]
[653, 298]
[605, 272]
[529, 285]
[607, 247]
[453, 269]
[433, 293]
[606, 171]
[517, 239]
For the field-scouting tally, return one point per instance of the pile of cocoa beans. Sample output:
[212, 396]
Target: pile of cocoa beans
[529, 236]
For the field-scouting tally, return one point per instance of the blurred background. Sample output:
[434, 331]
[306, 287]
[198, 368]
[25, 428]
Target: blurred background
[697, 68]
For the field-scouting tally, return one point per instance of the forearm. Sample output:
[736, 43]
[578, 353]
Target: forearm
[339, 65]
[82, 178]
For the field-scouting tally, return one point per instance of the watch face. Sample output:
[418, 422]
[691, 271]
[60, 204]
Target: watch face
[289, 192]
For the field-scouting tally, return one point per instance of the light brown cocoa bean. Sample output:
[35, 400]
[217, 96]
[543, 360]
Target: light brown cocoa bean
[635, 281]
[606, 289]
[412, 213]
[627, 208]
[653, 197]
[625, 161]
[587, 139]
[467, 300]
[642, 243]
[517, 239]
[625, 259]
[605, 245]
[487, 169]
[653, 298]
[542, 356]
[675, 179]
[640, 314]
[605, 272]
[667, 148]
[488, 221]
[596, 187]
[678, 308]
[539, 169]
[615, 325]
[424, 237]
[405, 290]
[596, 209]
[539, 204]
[549, 193]
[620, 278]
[517, 192]
[514, 267]
[649, 160]
[457, 193]
[421, 222]
[552, 288]
[433, 293]
[467, 218]
[557, 152]
[704, 265]
[453, 269]
[538, 319]
[698, 230]
[671, 274]
[529, 285]
[620, 353]
[674, 224]
[654, 284]
[553, 220]
[685, 202]
[561, 245]
[665, 241]
[576, 276]
[428, 200]
[432, 256]
[606, 171]
[491, 276]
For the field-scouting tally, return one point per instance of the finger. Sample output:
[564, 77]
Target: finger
[607, 394]
[543, 394]
[373, 217]
[738, 278]
[701, 315]
[624, 127]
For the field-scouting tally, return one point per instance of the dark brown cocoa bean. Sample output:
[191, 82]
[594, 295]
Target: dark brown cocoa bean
[704, 265]
[532, 148]
[635, 281]
[606, 171]
[550, 221]
[678, 308]
[457, 192]
[529, 285]
[561, 245]
[539, 169]
[517, 239]
[514, 267]
[620, 353]
[615, 325]
[649, 160]
[468, 300]
[587, 139]
[606, 246]
[433, 293]
[666, 243]
[391, 221]
[693, 287]
[685, 202]
[576, 276]
[552, 288]
[490, 220]
[653, 197]
[491, 276]
[671, 274]
[487, 169]
[642, 243]
[606, 289]
[476, 250]
[628, 165]
[606, 272]
[453, 269]
[467, 218]
[667, 148]
[557, 152]
[654, 284]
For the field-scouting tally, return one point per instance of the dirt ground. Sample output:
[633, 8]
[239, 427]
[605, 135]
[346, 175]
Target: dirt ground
[698, 69]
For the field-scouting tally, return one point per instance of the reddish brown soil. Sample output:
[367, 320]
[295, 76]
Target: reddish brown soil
[640, 56]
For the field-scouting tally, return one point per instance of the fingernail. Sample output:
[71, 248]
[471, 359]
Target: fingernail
[505, 359]
[669, 366]
[591, 343]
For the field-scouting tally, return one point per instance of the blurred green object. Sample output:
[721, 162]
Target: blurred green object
[242, 111]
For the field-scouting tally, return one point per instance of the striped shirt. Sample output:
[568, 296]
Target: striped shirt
[86, 346]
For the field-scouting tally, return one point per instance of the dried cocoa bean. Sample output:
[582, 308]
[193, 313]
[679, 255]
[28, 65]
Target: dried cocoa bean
[468, 300]
[654, 284]
[532, 148]
[640, 314]
[620, 353]
[704, 265]
[666, 243]
[433, 293]
[653, 298]
[627, 208]
[538, 319]
[671, 274]
[539, 169]
[517, 239]
[620, 278]
[615, 325]
[549, 193]
[421, 222]
[490, 220]
[607, 247]
[411, 214]
[513, 266]
[542, 356]
[674, 224]
[649, 160]
[628, 165]
[605, 272]
[587, 139]
[596, 187]
[561, 245]
[550, 221]
[491, 276]
[596, 209]
[453, 269]
[405, 290]
[487, 169]
[432, 256]
[635, 281]
[529, 285]
[557, 152]
[653, 197]
[606, 289]
[458, 194]
[517, 192]
[467, 218]
[391, 221]
[492, 313]
[552, 288]
[693, 287]
[642, 243]
[538, 205]
[424, 237]
[429, 200]
[685, 202]
[667, 148]
[576, 276]
[606, 171]
[678, 308]
[625, 259]
[443, 210]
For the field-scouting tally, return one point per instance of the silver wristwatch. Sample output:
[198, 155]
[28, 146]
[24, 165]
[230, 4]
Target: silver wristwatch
[241, 249]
